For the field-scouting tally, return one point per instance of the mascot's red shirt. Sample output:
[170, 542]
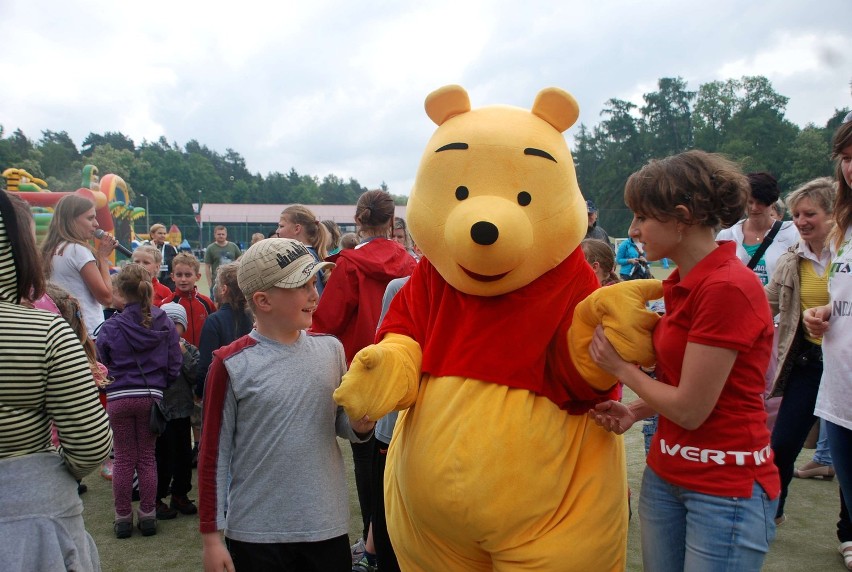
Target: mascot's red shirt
[518, 339]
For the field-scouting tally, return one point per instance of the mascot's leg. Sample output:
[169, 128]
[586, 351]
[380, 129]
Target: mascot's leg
[512, 483]
[420, 543]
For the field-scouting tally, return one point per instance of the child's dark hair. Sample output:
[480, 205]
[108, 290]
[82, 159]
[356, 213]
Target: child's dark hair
[134, 283]
[712, 189]
[600, 252]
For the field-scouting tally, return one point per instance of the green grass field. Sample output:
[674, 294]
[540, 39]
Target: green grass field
[807, 541]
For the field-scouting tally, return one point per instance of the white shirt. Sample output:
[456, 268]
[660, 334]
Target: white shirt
[66, 268]
[787, 236]
[834, 401]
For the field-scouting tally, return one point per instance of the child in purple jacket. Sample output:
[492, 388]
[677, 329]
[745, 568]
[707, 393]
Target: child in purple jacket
[140, 348]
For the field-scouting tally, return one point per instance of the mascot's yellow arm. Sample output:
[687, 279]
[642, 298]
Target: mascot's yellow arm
[620, 309]
[382, 377]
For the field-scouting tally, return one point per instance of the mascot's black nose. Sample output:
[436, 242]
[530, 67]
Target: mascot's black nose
[484, 233]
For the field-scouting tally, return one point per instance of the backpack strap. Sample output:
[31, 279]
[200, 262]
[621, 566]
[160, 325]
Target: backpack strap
[767, 240]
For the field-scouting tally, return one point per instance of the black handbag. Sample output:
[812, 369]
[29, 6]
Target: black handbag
[157, 420]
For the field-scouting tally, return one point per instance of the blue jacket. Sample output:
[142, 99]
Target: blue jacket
[123, 341]
[220, 329]
[626, 250]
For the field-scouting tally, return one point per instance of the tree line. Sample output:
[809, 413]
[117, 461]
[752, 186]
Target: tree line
[169, 175]
[742, 118]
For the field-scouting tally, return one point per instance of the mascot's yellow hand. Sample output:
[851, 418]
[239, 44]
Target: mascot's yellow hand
[628, 325]
[381, 378]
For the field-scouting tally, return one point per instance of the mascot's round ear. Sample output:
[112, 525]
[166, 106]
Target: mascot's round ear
[557, 107]
[446, 102]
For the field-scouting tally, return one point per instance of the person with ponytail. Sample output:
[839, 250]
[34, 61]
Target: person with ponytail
[141, 348]
[602, 260]
[300, 223]
[352, 303]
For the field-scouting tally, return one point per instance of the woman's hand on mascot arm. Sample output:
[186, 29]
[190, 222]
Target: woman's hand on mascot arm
[703, 375]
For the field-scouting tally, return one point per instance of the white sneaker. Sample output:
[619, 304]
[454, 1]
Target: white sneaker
[357, 551]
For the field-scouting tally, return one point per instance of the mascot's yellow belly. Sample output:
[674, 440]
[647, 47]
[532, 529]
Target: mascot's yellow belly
[484, 477]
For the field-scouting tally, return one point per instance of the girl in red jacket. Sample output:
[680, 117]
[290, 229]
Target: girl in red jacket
[352, 301]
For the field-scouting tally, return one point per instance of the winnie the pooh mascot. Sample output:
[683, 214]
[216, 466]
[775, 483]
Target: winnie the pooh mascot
[494, 464]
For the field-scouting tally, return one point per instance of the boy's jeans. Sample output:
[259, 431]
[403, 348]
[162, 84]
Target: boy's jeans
[687, 530]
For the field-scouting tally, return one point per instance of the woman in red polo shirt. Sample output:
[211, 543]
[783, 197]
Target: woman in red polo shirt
[710, 490]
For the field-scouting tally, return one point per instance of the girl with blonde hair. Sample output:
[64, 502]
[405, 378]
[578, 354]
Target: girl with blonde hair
[300, 223]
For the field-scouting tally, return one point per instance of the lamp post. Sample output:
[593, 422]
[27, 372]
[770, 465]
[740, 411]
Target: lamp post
[147, 213]
[200, 245]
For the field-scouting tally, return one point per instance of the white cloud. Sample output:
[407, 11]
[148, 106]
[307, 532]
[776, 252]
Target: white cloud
[331, 86]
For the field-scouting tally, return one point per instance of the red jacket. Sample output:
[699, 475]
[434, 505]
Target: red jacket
[198, 307]
[161, 292]
[352, 299]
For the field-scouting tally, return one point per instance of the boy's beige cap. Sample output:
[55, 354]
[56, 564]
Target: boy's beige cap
[279, 262]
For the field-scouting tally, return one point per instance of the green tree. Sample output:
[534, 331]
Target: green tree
[116, 140]
[668, 117]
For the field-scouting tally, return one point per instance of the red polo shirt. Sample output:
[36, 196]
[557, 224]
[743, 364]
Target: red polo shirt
[720, 303]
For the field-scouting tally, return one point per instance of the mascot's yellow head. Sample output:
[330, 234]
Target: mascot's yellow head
[496, 204]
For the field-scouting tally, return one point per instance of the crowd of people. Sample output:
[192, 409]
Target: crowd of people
[143, 375]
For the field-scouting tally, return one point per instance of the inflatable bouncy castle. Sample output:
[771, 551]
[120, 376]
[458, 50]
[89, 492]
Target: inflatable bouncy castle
[113, 206]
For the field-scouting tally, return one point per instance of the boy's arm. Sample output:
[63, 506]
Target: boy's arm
[189, 369]
[216, 557]
[216, 447]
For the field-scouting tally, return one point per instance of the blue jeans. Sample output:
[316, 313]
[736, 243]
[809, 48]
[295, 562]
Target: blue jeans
[840, 443]
[795, 419]
[687, 530]
[822, 455]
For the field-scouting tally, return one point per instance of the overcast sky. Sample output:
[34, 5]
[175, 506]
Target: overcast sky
[338, 86]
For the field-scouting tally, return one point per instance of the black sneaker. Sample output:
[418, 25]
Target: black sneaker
[123, 529]
[148, 526]
[81, 487]
[183, 504]
[164, 512]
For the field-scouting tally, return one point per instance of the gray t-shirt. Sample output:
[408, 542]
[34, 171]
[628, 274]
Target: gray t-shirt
[277, 423]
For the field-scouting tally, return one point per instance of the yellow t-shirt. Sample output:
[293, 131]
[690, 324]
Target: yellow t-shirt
[814, 290]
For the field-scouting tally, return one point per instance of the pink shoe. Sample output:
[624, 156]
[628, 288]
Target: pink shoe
[106, 469]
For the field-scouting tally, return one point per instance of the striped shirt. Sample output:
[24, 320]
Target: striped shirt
[44, 376]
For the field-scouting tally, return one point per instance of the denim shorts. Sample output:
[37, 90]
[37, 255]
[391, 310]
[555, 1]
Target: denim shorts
[686, 530]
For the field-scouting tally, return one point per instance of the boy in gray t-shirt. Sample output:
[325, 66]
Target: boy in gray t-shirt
[270, 420]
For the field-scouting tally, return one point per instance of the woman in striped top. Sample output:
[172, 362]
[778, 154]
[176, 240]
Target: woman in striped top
[44, 377]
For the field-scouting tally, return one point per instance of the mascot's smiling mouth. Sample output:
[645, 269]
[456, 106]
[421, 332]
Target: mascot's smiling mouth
[482, 277]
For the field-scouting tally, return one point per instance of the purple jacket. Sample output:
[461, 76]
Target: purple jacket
[123, 340]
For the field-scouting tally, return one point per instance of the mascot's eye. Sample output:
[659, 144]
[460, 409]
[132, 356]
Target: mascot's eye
[462, 193]
[524, 198]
